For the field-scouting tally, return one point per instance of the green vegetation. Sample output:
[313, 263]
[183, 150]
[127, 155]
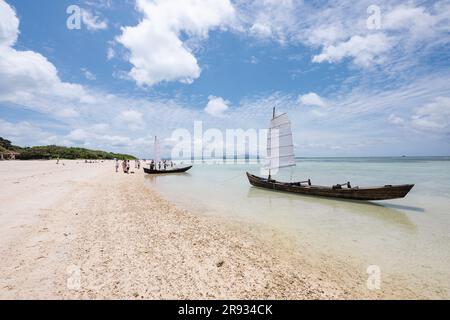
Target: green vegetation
[54, 152]
[6, 145]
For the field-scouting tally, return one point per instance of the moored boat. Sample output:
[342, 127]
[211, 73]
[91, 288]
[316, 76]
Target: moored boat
[280, 154]
[153, 166]
[345, 191]
[177, 170]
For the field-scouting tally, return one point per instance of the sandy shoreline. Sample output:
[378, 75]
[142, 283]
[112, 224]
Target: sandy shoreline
[83, 231]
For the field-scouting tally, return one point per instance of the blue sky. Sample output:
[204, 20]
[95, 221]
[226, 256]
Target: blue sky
[366, 79]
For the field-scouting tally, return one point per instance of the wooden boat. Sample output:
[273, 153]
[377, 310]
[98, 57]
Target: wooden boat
[158, 159]
[338, 191]
[280, 152]
[177, 170]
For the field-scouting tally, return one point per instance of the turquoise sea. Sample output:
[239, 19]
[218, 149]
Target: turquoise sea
[409, 239]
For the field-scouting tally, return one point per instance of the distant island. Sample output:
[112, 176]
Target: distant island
[10, 151]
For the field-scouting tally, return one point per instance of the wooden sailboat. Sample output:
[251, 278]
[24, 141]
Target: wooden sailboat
[154, 170]
[280, 152]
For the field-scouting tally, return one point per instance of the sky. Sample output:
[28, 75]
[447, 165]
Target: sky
[366, 78]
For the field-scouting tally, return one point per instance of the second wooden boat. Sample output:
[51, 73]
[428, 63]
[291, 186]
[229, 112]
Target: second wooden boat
[157, 154]
[177, 170]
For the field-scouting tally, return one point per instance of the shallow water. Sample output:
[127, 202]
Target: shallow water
[408, 238]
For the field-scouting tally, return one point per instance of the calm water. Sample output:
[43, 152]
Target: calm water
[408, 237]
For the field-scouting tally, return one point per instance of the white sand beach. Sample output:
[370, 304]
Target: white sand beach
[83, 231]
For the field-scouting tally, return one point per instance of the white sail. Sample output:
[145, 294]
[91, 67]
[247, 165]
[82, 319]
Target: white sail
[157, 152]
[280, 144]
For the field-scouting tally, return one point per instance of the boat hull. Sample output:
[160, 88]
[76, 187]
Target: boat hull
[363, 194]
[179, 170]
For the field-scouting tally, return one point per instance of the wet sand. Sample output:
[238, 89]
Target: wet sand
[82, 231]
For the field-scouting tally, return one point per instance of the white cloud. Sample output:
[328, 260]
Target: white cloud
[271, 19]
[434, 116]
[312, 99]
[100, 127]
[326, 35]
[216, 106]
[93, 22]
[28, 78]
[101, 4]
[9, 25]
[157, 52]
[411, 18]
[254, 60]
[364, 50]
[20, 132]
[261, 30]
[133, 119]
[91, 139]
[110, 53]
[66, 113]
[395, 119]
[88, 74]
[339, 30]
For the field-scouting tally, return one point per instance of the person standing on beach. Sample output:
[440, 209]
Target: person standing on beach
[124, 166]
[117, 165]
[128, 166]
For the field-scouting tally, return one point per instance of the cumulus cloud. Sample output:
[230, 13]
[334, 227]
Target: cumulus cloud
[363, 50]
[157, 51]
[28, 78]
[9, 25]
[312, 99]
[216, 106]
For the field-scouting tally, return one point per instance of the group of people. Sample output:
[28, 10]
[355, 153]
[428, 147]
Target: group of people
[126, 165]
[161, 165]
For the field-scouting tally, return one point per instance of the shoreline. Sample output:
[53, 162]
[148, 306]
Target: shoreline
[82, 231]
